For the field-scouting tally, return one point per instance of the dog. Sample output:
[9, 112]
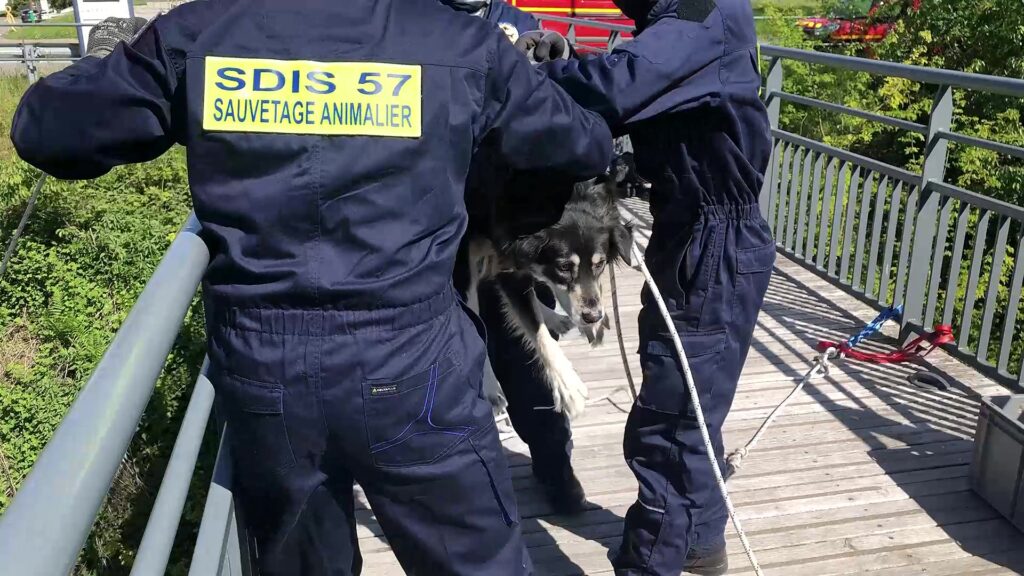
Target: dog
[570, 255]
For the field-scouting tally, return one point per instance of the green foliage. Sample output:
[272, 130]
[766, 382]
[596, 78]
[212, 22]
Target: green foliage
[81, 264]
[981, 37]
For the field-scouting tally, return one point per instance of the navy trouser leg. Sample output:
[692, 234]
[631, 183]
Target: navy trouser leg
[388, 398]
[713, 274]
[546, 432]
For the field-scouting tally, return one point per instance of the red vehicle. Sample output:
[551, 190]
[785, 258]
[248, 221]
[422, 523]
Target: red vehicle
[602, 11]
[858, 20]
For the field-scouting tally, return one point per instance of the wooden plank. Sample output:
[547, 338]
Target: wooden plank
[862, 474]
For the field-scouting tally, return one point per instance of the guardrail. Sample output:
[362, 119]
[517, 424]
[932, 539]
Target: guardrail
[36, 52]
[44, 528]
[892, 236]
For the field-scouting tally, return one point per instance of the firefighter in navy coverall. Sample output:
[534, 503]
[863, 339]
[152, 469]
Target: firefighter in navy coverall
[328, 146]
[546, 432]
[686, 91]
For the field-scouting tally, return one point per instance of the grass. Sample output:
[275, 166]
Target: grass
[11, 89]
[30, 32]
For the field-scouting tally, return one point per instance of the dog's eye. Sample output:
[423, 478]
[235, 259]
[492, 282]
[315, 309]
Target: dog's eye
[565, 266]
[599, 264]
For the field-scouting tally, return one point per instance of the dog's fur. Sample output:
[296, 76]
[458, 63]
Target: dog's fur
[571, 256]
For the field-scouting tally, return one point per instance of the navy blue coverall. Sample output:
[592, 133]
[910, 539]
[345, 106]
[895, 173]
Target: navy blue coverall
[686, 91]
[328, 147]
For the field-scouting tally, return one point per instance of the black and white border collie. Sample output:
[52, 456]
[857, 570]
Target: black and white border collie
[571, 256]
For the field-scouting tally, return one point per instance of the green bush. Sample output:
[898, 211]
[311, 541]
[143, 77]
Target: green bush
[81, 264]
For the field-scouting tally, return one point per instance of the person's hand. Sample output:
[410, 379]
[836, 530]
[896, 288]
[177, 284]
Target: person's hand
[105, 36]
[543, 45]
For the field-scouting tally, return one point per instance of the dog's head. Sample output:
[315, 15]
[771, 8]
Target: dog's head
[572, 256]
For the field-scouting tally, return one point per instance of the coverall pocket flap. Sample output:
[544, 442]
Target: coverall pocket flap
[757, 259]
[256, 419]
[695, 344]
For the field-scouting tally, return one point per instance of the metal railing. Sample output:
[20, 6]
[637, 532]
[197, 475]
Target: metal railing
[45, 526]
[877, 230]
[892, 236]
[32, 53]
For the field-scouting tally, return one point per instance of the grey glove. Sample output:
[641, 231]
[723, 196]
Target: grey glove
[543, 46]
[105, 36]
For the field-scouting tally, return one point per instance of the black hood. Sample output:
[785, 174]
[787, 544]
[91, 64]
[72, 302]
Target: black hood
[645, 12]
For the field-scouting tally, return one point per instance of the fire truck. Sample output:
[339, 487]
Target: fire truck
[600, 11]
[859, 20]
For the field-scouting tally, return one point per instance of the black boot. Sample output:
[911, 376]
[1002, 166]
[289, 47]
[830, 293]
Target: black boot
[707, 562]
[562, 490]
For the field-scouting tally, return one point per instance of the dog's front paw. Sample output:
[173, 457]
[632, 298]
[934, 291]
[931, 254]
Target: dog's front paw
[569, 391]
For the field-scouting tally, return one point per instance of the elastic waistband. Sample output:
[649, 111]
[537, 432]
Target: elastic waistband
[731, 212]
[327, 322]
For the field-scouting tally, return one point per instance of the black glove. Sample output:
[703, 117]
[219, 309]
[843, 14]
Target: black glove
[107, 34]
[543, 45]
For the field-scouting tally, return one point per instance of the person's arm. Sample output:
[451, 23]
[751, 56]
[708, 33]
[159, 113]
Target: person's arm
[534, 125]
[107, 109]
[623, 83]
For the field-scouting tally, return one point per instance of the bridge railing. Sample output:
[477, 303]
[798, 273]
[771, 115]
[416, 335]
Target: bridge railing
[892, 236]
[46, 525]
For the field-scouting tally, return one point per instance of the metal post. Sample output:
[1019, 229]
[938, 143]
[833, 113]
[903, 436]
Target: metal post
[29, 52]
[772, 87]
[928, 208]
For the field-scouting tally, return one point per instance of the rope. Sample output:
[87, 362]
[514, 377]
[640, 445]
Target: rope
[13, 244]
[820, 368]
[685, 364]
[618, 332]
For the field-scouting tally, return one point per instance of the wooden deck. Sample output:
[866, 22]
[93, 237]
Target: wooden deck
[863, 473]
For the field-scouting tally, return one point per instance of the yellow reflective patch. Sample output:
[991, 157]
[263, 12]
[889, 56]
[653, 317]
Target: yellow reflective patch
[314, 98]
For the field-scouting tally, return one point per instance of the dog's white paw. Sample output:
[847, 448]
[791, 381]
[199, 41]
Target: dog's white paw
[492, 390]
[568, 389]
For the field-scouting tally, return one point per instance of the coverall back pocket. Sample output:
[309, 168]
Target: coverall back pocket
[418, 419]
[256, 423]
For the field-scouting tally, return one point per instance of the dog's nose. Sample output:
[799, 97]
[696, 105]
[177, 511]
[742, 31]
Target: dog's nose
[592, 316]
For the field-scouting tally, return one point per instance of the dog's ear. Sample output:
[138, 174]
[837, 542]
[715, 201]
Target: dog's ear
[622, 242]
[526, 249]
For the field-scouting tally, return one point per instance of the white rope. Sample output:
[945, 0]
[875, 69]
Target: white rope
[819, 368]
[699, 411]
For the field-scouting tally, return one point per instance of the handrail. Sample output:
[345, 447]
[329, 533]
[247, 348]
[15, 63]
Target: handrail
[969, 80]
[45, 526]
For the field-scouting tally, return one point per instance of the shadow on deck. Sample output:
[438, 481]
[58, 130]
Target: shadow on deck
[863, 472]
